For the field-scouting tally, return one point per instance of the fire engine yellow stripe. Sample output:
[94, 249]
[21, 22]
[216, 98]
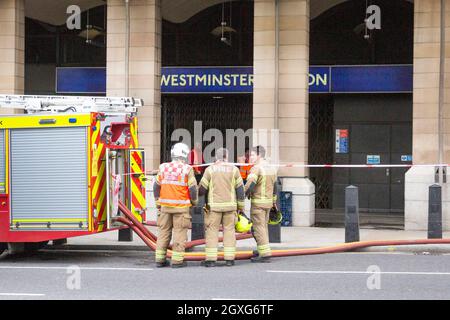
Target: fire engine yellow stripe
[135, 167]
[101, 202]
[32, 121]
[98, 180]
[133, 131]
[95, 134]
[7, 161]
[89, 180]
[137, 193]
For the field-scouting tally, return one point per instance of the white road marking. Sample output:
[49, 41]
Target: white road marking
[81, 268]
[9, 294]
[226, 299]
[361, 272]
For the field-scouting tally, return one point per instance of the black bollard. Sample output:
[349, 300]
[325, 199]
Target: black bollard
[275, 230]
[125, 235]
[435, 212]
[198, 225]
[351, 214]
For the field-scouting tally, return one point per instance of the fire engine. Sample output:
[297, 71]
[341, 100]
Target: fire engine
[65, 165]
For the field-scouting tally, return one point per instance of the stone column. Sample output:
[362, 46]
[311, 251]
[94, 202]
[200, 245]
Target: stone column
[144, 65]
[289, 63]
[12, 47]
[427, 21]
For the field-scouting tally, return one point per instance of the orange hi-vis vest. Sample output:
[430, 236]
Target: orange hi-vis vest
[173, 178]
[245, 171]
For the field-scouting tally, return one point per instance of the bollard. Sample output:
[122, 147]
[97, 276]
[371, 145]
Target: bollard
[435, 212]
[125, 235]
[198, 225]
[351, 214]
[275, 230]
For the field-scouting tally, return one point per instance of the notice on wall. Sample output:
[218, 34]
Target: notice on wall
[406, 158]
[341, 140]
[373, 159]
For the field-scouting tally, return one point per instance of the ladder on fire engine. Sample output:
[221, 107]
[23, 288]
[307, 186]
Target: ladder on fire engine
[75, 104]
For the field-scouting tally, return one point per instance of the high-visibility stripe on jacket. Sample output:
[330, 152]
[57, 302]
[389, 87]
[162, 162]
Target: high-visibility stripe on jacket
[175, 178]
[221, 180]
[264, 178]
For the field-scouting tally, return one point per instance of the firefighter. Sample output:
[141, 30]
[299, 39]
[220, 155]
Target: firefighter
[261, 189]
[245, 168]
[225, 193]
[175, 192]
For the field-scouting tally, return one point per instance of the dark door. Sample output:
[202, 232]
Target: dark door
[381, 190]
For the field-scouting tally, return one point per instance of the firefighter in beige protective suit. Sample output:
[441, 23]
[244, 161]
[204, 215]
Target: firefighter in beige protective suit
[223, 185]
[261, 189]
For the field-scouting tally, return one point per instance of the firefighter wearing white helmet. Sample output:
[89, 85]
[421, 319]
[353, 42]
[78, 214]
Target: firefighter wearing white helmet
[175, 192]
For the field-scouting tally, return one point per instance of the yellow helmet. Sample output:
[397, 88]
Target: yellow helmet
[243, 224]
[275, 216]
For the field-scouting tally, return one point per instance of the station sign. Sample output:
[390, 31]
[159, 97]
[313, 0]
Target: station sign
[222, 80]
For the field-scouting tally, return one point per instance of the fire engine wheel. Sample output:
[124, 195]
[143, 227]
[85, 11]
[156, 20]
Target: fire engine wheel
[3, 247]
[35, 246]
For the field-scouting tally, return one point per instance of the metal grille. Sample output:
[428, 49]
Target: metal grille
[49, 176]
[321, 147]
[227, 112]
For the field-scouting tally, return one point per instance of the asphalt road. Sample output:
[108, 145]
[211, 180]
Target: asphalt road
[131, 275]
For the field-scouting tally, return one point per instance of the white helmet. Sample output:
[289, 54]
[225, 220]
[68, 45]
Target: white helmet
[180, 150]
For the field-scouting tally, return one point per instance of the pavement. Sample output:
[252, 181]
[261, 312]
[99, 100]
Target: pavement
[291, 237]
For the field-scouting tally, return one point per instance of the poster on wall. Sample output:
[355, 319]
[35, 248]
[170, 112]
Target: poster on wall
[341, 140]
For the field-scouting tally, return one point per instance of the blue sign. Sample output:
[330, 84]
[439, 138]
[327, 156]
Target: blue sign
[362, 79]
[406, 158]
[322, 79]
[81, 80]
[341, 140]
[373, 159]
[319, 79]
[207, 80]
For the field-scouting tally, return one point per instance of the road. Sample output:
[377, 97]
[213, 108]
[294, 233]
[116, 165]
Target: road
[59, 274]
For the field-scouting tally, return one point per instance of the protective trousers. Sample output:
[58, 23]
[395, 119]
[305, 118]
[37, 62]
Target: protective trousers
[180, 224]
[260, 219]
[212, 223]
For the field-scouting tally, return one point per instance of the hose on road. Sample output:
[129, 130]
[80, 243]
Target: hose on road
[150, 240]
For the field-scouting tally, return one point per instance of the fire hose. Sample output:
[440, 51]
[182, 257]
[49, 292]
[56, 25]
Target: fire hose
[150, 240]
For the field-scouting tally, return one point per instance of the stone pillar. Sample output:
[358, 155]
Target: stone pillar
[144, 65]
[12, 47]
[289, 63]
[427, 22]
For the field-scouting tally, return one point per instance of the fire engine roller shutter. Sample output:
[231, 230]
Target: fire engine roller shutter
[49, 178]
[2, 162]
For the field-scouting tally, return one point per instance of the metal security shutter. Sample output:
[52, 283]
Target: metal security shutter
[2, 162]
[49, 178]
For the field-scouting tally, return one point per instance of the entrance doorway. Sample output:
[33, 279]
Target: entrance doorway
[381, 190]
[215, 112]
[379, 129]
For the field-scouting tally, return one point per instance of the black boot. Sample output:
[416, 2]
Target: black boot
[179, 265]
[260, 259]
[162, 264]
[208, 264]
[229, 263]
